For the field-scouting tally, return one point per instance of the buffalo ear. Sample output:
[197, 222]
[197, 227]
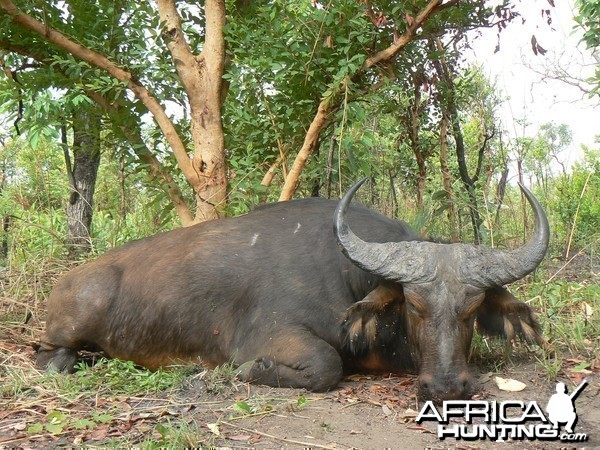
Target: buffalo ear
[501, 314]
[362, 322]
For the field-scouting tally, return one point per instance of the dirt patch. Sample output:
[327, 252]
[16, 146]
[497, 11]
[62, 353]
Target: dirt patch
[379, 412]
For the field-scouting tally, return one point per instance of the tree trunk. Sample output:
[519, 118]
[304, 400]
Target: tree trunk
[420, 179]
[6, 218]
[415, 111]
[523, 200]
[411, 118]
[449, 107]
[202, 79]
[394, 196]
[82, 180]
[500, 191]
[311, 141]
[329, 167]
[6, 222]
[122, 176]
[447, 178]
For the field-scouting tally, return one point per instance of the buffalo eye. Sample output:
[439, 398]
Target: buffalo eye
[414, 310]
[473, 303]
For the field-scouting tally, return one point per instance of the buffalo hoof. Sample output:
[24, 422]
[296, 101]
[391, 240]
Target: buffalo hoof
[255, 370]
[60, 360]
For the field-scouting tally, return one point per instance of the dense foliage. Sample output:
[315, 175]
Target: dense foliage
[423, 126]
[588, 19]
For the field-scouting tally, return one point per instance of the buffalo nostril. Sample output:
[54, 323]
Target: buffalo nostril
[465, 383]
[426, 386]
[446, 387]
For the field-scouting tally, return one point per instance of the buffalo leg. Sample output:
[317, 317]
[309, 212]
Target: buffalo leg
[297, 361]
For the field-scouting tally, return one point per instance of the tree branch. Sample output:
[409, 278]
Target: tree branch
[406, 37]
[331, 97]
[202, 79]
[184, 60]
[481, 154]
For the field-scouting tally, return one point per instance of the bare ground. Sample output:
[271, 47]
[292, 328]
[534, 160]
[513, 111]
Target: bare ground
[379, 412]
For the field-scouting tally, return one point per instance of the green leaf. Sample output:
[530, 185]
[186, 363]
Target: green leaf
[103, 418]
[36, 428]
[84, 423]
[242, 407]
[581, 367]
[162, 430]
[302, 401]
[55, 428]
[56, 416]
[439, 195]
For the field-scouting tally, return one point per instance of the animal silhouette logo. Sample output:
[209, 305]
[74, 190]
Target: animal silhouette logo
[561, 406]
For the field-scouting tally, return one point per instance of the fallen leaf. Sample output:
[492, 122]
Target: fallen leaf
[485, 378]
[420, 428]
[508, 384]
[410, 413]
[214, 428]
[240, 437]
[577, 377]
[386, 410]
[358, 377]
[99, 434]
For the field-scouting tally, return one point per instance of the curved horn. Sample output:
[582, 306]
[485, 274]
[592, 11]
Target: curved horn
[411, 261]
[491, 267]
[403, 262]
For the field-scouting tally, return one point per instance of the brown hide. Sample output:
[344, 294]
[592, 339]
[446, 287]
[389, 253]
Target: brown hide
[272, 292]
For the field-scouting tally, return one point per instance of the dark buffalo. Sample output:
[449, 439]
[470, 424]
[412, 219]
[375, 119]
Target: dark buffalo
[294, 301]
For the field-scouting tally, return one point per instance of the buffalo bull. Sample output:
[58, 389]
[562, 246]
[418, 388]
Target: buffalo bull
[294, 301]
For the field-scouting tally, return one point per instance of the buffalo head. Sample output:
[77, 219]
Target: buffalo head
[445, 288]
